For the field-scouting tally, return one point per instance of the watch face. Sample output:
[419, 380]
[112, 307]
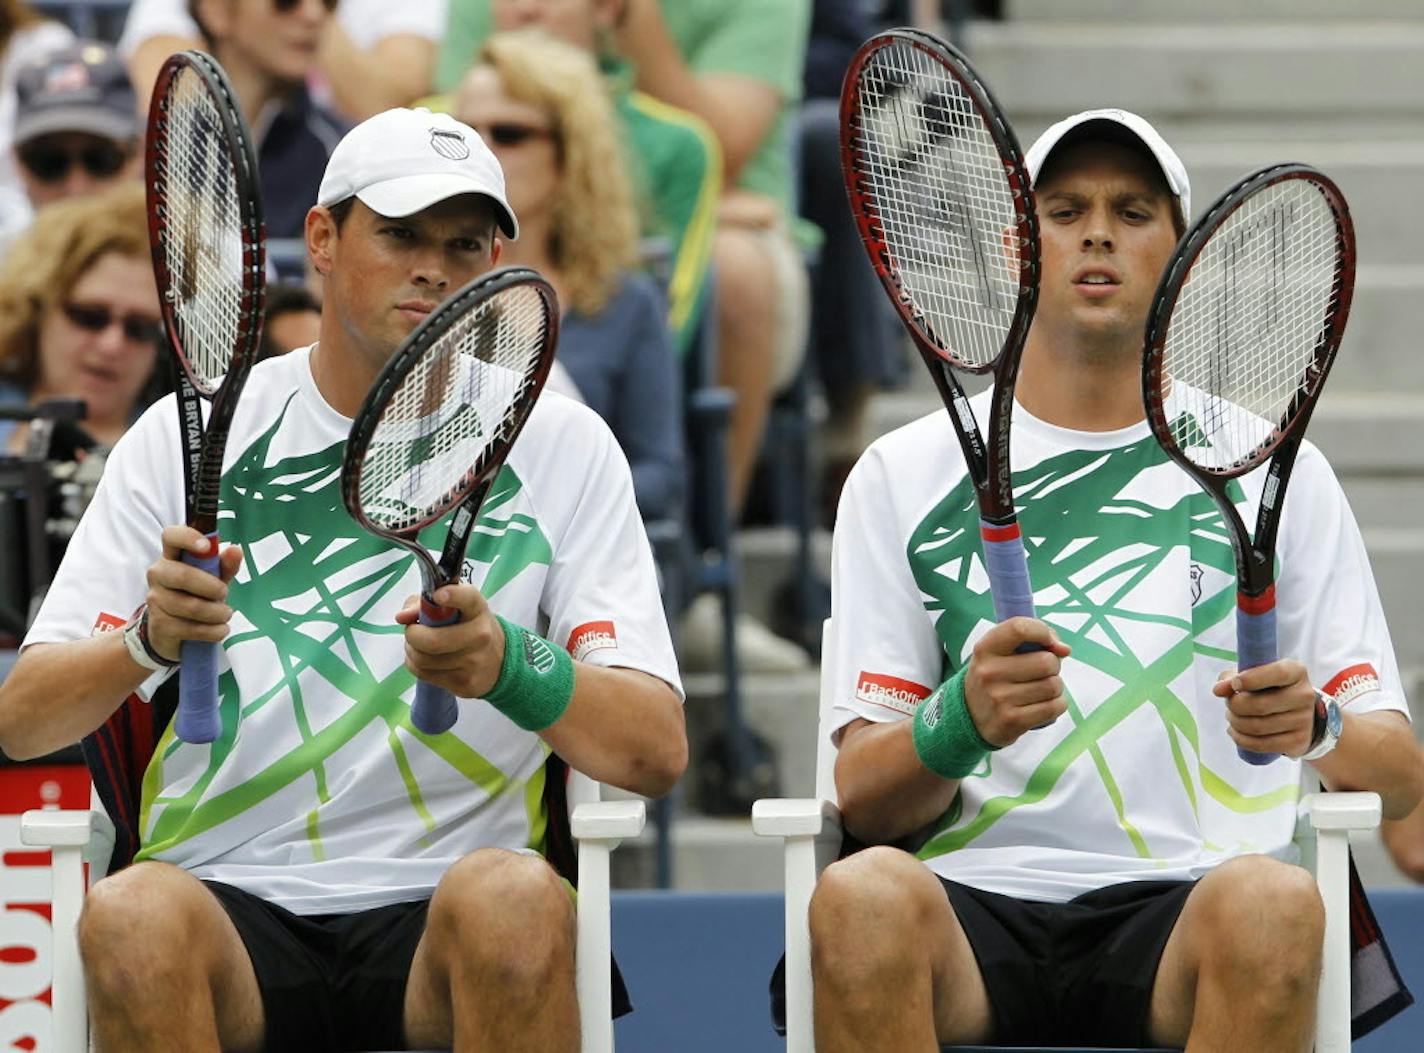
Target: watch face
[1333, 718]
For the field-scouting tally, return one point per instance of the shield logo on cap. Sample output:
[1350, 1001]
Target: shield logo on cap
[449, 144]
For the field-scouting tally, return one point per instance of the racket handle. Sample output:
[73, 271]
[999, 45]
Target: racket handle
[435, 709]
[197, 718]
[1256, 645]
[1009, 585]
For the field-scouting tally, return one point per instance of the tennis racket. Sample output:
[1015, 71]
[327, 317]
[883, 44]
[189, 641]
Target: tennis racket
[438, 424]
[209, 257]
[944, 206]
[1242, 332]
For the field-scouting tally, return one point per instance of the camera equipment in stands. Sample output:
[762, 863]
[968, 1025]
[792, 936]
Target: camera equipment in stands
[60, 463]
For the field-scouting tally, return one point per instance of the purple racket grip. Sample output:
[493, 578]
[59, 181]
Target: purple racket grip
[1007, 564]
[435, 709]
[197, 718]
[1256, 645]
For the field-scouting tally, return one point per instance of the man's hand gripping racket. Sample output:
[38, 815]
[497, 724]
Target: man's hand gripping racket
[1243, 330]
[437, 425]
[209, 259]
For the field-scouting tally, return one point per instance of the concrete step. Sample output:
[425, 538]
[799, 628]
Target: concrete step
[1151, 13]
[1205, 70]
[1363, 433]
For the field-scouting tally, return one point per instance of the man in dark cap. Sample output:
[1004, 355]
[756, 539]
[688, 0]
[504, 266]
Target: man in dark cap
[76, 123]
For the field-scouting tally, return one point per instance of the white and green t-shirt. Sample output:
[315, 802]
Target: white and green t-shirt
[318, 794]
[1133, 568]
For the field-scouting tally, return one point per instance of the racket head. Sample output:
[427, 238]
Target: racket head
[942, 199]
[420, 444]
[205, 222]
[1247, 319]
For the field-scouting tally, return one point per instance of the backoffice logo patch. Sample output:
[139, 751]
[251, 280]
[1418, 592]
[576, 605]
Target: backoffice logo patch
[880, 689]
[107, 623]
[590, 637]
[1349, 684]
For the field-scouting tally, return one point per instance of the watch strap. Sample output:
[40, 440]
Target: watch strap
[141, 649]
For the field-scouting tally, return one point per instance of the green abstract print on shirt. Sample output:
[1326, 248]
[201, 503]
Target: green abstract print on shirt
[313, 599]
[1099, 526]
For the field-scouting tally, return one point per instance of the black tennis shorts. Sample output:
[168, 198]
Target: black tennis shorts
[1062, 974]
[335, 982]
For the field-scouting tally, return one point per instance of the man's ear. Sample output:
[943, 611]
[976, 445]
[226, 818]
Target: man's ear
[496, 247]
[322, 238]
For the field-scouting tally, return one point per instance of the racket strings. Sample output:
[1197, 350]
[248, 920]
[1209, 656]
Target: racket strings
[453, 410]
[1244, 335]
[936, 183]
[203, 234]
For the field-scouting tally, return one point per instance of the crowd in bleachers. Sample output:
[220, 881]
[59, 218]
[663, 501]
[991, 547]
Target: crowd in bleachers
[673, 166]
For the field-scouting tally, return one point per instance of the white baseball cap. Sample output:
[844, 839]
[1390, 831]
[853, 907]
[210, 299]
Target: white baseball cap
[401, 161]
[1121, 124]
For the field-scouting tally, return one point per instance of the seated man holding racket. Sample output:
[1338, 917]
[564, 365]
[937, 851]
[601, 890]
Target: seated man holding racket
[322, 876]
[1093, 863]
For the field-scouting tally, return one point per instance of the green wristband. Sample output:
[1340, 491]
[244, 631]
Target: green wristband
[536, 680]
[946, 740]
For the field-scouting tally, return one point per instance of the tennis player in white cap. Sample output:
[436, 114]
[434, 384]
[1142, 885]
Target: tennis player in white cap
[1092, 863]
[324, 877]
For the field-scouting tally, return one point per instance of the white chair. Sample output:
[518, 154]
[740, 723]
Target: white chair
[811, 831]
[78, 837]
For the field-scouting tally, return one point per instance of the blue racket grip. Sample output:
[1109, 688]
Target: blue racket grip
[1009, 585]
[197, 719]
[435, 709]
[1256, 645]
[1007, 565]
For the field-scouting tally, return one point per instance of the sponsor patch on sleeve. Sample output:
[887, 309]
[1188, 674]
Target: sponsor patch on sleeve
[1349, 684]
[590, 637]
[107, 623]
[879, 689]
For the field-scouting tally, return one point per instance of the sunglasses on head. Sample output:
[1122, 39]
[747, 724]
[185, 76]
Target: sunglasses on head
[50, 163]
[283, 6]
[508, 133]
[96, 317]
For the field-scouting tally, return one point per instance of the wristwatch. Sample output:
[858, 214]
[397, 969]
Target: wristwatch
[140, 649]
[1328, 722]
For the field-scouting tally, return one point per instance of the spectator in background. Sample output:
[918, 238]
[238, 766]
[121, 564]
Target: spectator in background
[540, 106]
[24, 38]
[737, 64]
[291, 319]
[76, 124]
[374, 55]
[676, 160]
[79, 314]
[269, 49]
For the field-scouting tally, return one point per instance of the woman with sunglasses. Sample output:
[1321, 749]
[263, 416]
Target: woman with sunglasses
[541, 106]
[25, 37]
[79, 313]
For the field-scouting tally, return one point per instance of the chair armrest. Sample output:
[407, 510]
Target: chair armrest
[598, 826]
[711, 405]
[608, 820]
[795, 817]
[1343, 811]
[47, 828]
[1332, 816]
[73, 837]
